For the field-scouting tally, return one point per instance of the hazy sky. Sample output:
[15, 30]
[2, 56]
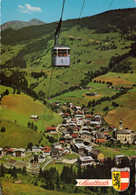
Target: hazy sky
[50, 10]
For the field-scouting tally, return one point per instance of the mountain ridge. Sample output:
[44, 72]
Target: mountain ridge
[17, 24]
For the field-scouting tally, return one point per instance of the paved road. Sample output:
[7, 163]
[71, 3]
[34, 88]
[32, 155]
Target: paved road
[47, 164]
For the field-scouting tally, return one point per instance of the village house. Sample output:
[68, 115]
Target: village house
[66, 115]
[36, 149]
[41, 159]
[5, 149]
[95, 123]
[55, 152]
[99, 137]
[85, 135]
[87, 150]
[97, 154]
[57, 145]
[97, 117]
[79, 148]
[10, 151]
[19, 152]
[79, 122]
[46, 150]
[88, 116]
[85, 160]
[124, 136]
[78, 117]
[50, 130]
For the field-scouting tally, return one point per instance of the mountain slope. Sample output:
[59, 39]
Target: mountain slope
[20, 24]
[99, 44]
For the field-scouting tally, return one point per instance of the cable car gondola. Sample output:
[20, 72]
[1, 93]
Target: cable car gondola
[60, 54]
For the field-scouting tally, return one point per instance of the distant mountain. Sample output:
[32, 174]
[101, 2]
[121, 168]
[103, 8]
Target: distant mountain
[20, 24]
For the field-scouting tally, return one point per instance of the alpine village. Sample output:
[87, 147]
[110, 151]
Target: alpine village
[59, 124]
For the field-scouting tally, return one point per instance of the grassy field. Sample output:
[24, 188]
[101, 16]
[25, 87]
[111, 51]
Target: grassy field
[126, 113]
[16, 110]
[71, 156]
[17, 136]
[77, 96]
[111, 152]
[27, 189]
[58, 166]
[19, 108]
[118, 79]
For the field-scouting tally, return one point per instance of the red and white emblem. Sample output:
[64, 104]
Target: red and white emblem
[120, 178]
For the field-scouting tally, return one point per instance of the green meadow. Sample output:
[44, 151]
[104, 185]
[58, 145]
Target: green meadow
[28, 189]
[16, 110]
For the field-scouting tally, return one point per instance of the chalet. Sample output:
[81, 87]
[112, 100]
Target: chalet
[66, 115]
[19, 152]
[36, 149]
[41, 159]
[10, 151]
[97, 154]
[124, 136]
[99, 137]
[46, 150]
[97, 117]
[78, 116]
[88, 116]
[87, 150]
[79, 148]
[50, 130]
[79, 122]
[95, 123]
[85, 160]
[35, 117]
[74, 135]
[57, 145]
[85, 135]
[55, 152]
[5, 149]
[66, 133]
[85, 128]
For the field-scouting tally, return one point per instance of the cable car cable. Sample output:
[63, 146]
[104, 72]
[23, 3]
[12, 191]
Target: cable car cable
[78, 22]
[102, 24]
